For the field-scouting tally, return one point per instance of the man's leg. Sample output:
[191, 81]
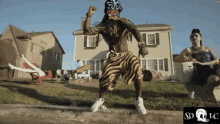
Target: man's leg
[99, 101]
[138, 88]
[102, 91]
[139, 103]
[138, 80]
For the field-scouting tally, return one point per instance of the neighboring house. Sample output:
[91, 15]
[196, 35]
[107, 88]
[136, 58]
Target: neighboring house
[41, 48]
[156, 36]
[174, 65]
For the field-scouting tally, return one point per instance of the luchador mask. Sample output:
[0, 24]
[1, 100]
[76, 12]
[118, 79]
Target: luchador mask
[113, 14]
[113, 9]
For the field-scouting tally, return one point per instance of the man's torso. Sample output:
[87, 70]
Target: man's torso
[116, 35]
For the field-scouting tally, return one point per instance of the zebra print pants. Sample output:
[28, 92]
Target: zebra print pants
[125, 64]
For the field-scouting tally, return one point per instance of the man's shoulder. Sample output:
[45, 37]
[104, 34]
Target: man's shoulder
[124, 19]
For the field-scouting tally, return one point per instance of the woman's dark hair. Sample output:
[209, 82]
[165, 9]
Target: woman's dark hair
[197, 31]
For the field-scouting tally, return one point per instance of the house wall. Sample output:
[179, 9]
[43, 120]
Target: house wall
[45, 62]
[7, 34]
[163, 50]
[82, 53]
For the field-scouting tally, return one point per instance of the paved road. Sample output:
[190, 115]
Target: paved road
[18, 119]
[52, 114]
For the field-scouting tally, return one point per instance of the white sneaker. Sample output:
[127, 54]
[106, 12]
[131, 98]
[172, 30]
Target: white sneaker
[97, 104]
[139, 104]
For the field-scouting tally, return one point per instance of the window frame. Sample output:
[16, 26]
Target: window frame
[50, 54]
[88, 41]
[158, 68]
[147, 40]
[38, 47]
[56, 53]
[91, 72]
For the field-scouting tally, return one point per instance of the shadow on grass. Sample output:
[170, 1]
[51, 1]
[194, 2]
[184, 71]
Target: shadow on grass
[57, 100]
[26, 82]
[19, 82]
[34, 94]
[125, 93]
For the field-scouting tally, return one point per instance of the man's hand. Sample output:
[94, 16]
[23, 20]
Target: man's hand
[142, 50]
[92, 10]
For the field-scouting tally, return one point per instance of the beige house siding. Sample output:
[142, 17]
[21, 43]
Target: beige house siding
[45, 62]
[161, 51]
[22, 42]
[81, 53]
[8, 34]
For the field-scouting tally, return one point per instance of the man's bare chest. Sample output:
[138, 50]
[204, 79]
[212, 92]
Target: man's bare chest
[113, 35]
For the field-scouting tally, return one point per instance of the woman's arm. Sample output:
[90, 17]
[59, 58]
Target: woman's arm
[214, 58]
[184, 56]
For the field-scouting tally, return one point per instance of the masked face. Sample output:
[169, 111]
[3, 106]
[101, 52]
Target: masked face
[113, 14]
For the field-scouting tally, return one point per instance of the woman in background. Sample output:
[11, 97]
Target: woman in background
[205, 61]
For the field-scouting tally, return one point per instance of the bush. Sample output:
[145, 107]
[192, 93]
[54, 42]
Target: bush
[95, 76]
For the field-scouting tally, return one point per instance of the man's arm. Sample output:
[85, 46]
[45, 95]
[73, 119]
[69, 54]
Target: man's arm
[87, 30]
[131, 27]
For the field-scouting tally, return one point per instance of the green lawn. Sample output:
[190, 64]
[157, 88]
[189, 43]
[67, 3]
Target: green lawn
[156, 95]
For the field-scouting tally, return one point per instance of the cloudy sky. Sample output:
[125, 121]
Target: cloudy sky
[64, 17]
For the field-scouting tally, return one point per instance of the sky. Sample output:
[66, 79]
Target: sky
[64, 17]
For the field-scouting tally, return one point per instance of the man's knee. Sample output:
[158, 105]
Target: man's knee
[212, 79]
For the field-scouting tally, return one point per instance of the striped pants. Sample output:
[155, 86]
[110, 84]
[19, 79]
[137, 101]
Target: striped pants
[125, 64]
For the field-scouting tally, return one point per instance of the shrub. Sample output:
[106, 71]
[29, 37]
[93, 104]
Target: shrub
[95, 76]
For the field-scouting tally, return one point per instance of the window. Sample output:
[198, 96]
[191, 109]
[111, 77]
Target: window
[91, 41]
[154, 64]
[144, 64]
[92, 66]
[37, 49]
[49, 53]
[149, 38]
[57, 56]
[95, 65]
[160, 64]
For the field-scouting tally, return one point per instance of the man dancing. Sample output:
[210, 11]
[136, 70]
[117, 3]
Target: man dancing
[114, 30]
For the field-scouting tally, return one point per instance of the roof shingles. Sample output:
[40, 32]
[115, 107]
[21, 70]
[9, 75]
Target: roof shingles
[19, 33]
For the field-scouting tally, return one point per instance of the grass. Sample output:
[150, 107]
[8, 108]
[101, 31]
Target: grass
[157, 95]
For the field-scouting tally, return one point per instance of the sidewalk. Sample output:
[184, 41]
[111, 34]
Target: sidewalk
[53, 114]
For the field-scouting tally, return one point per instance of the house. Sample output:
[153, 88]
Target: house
[41, 48]
[156, 36]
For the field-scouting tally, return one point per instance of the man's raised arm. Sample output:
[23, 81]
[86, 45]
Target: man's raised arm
[87, 30]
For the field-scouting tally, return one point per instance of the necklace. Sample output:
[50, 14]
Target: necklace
[197, 48]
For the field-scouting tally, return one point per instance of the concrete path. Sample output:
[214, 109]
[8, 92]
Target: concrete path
[53, 114]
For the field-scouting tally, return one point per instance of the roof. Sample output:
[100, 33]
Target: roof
[150, 27]
[16, 32]
[45, 32]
